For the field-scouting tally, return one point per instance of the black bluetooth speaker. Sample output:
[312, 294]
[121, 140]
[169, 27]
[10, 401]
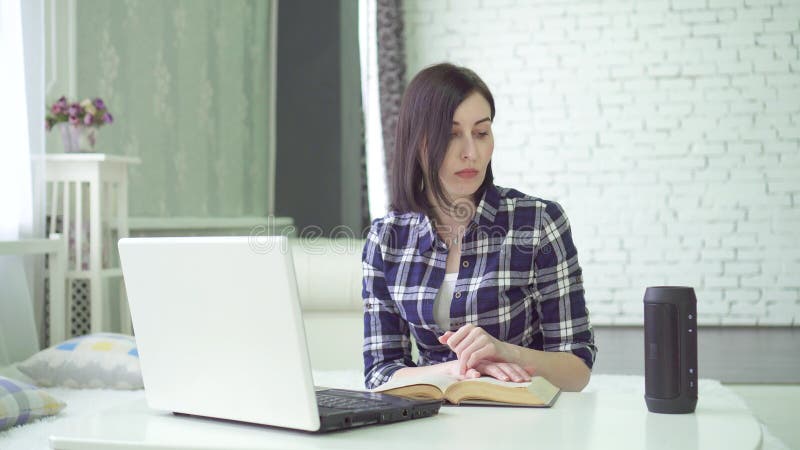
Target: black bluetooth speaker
[670, 349]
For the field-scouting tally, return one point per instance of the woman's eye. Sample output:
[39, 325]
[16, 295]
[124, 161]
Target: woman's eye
[483, 134]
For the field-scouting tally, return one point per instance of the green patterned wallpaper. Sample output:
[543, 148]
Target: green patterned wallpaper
[188, 83]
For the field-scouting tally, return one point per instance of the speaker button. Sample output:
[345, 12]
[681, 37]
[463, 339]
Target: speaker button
[691, 370]
[691, 317]
[690, 330]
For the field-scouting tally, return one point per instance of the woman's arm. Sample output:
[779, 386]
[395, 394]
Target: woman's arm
[558, 289]
[473, 345]
[505, 371]
[563, 369]
[449, 368]
[387, 344]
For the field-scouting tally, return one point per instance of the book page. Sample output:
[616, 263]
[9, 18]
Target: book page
[485, 390]
[544, 389]
[441, 382]
[497, 382]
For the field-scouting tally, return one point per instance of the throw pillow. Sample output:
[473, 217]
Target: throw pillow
[101, 360]
[21, 403]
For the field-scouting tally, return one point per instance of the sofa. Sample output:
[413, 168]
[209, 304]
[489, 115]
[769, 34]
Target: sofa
[328, 273]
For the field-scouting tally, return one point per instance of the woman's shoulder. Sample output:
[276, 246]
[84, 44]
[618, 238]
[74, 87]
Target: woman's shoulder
[394, 219]
[517, 202]
[396, 228]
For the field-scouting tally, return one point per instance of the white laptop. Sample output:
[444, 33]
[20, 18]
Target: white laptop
[220, 334]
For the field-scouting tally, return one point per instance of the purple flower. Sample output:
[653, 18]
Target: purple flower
[86, 113]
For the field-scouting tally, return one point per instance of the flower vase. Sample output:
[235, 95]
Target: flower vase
[78, 138]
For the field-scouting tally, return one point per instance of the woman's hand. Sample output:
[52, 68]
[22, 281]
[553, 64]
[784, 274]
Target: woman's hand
[476, 349]
[500, 370]
[451, 368]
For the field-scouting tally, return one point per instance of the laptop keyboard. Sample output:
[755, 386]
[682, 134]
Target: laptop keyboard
[341, 402]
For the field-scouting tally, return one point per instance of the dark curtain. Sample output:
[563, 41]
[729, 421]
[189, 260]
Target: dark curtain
[391, 73]
[365, 219]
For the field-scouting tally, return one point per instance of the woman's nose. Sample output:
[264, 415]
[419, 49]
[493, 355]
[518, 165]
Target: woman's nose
[468, 150]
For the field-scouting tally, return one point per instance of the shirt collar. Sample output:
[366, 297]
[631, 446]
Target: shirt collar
[487, 207]
[484, 216]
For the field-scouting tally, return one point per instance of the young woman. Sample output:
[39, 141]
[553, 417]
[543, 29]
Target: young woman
[485, 278]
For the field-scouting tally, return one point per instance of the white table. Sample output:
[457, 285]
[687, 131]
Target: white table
[610, 415]
[101, 181]
[56, 250]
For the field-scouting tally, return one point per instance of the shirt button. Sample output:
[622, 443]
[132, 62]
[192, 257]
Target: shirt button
[458, 294]
[465, 264]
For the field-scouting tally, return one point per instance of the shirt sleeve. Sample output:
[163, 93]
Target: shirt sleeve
[559, 286]
[387, 345]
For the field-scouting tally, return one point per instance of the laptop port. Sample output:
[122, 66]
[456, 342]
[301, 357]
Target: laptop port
[405, 413]
[348, 421]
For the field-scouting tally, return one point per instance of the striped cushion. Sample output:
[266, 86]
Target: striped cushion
[101, 360]
[21, 403]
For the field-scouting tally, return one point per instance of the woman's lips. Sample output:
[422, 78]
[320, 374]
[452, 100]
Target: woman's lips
[467, 173]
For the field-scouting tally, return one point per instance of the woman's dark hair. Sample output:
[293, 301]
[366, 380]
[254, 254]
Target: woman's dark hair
[426, 120]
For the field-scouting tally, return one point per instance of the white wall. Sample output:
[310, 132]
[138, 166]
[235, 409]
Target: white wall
[669, 131]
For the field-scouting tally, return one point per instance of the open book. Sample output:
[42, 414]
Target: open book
[477, 391]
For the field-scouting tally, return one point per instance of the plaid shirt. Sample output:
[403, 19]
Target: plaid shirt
[518, 279]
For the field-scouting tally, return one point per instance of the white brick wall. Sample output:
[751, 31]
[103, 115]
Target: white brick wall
[669, 131]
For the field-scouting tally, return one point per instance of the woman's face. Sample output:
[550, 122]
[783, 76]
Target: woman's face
[470, 150]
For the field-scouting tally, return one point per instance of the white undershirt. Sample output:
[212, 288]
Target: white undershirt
[441, 305]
